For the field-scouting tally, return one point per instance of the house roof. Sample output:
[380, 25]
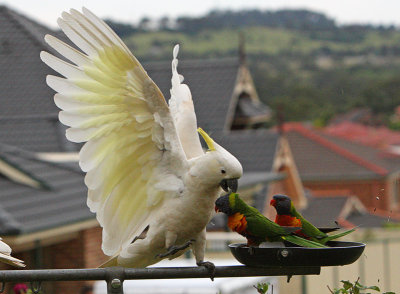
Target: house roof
[28, 116]
[379, 137]
[346, 210]
[341, 158]
[25, 209]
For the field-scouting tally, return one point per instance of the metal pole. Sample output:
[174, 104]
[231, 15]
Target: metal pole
[150, 273]
[304, 285]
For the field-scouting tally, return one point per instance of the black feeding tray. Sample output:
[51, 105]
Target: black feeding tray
[338, 253]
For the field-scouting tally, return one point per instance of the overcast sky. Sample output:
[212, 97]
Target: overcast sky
[343, 11]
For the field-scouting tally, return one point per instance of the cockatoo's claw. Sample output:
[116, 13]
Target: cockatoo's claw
[209, 266]
[175, 249]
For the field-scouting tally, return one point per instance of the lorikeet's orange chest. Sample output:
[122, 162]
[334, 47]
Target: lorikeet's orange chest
[237, 222]
[287, 221]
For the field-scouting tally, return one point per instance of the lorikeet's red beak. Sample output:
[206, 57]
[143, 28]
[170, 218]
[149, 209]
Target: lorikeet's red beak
[273, 202]
[216, 209]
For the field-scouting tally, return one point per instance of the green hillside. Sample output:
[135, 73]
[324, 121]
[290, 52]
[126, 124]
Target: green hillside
[310, 73]
[265, 41]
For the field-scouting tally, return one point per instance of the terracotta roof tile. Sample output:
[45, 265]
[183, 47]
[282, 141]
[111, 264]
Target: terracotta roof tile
[319, 155]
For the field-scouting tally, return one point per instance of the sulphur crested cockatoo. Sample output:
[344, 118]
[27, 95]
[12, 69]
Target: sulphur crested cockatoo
[150, 183]
[5, 256]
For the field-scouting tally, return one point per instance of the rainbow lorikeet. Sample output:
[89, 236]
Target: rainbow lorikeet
[250, 223]
[287, 215]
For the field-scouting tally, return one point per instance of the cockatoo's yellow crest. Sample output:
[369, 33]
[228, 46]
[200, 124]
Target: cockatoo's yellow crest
[207, 138]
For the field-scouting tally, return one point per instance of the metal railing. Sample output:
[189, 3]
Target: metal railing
[115, 276]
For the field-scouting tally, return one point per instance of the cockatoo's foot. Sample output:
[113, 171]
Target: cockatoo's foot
[175, 249]
[210, 266]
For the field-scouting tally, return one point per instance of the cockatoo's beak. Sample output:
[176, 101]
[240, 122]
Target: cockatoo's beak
[229, 185]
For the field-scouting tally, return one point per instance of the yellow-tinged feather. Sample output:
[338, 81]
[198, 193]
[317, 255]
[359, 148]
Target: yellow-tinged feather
[105, 130]
[115, 168]
[95, 87]
[114, 72]
[116, 56]
[106, 109]
[110, 65]
[78, 135]
[94, 152]
[118, 200]
[127, 205]
[105, 122]
[105, 79]
[99, 99]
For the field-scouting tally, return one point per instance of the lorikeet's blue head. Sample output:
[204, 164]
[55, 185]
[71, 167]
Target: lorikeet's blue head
[282, 204]
[223, 204]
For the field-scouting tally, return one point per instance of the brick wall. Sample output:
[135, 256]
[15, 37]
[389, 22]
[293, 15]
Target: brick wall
[66, 255]
[94, 256]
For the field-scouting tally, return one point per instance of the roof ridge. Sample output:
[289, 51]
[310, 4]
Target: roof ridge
[13, 16]
[300, 128]
[384, 213]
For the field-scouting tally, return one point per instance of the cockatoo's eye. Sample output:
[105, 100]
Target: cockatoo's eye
[223, 171]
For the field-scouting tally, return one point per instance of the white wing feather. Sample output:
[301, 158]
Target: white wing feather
[182, 110]
[5, 255]
[109, 102]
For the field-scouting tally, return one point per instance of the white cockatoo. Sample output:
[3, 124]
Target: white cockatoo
[5, 255]
[150, 183]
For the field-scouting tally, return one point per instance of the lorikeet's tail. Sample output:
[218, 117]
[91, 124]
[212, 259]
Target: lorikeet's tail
[333, 237]
[302, 242]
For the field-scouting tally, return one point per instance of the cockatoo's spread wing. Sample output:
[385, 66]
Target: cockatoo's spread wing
[133, 156]
[182, 110]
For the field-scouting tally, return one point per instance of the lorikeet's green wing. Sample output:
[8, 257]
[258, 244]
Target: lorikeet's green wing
[308, 228]
[317, 235]
[260, 226]
[264, 229]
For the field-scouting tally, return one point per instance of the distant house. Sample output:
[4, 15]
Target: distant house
[43, 212]
[330, 164]
[361, 115]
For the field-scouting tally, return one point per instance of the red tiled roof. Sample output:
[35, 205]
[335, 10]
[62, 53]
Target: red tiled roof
[324, 141]
[379, 137]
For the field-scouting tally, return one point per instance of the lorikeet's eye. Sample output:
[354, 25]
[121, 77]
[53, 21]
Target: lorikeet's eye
[223, 171]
